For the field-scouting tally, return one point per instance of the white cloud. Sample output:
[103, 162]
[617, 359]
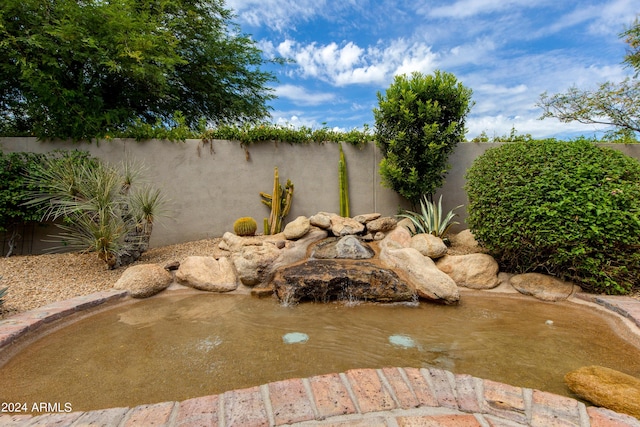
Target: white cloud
[467, 8]
[348, 64]
[276, 14]
[600, 19]
[500, 125]
[300, 96]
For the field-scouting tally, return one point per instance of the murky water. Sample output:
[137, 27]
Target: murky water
[181, 346]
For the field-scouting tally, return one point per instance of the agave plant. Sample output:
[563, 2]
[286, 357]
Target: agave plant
[431, 220]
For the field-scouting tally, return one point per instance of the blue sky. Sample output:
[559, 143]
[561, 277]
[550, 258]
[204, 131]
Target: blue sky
[507, 51]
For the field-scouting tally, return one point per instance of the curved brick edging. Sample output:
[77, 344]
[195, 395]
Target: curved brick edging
[386, 397]
[16, 326]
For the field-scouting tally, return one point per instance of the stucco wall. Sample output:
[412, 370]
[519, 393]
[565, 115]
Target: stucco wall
[211, 185]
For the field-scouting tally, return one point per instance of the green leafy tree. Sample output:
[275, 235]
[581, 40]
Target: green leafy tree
[80, 70]
[419, 121]
[615, 104]
[14, 167]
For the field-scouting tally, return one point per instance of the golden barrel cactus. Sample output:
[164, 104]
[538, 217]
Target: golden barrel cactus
[245, 226]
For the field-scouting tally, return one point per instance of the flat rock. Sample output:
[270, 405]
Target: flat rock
[207, 274]
[542, 286]
[383, 224]
[475, 271]
[144, 280]
[232, 242]
[365, 218]
[607, 388]
[345, 226]
[325, 280]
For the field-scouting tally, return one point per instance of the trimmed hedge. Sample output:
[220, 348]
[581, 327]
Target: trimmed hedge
[570, 209]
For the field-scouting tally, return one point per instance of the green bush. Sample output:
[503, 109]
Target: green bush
[419, 121]
[14, 168]
[569, 209]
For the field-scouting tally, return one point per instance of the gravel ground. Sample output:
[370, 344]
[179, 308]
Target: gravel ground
[38, 280]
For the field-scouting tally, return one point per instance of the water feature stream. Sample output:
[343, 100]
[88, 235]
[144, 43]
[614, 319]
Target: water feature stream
[183, 345]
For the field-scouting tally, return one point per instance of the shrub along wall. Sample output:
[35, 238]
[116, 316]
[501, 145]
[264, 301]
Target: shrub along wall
[210, 185]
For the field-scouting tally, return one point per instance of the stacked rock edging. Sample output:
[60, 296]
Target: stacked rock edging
[421, 262]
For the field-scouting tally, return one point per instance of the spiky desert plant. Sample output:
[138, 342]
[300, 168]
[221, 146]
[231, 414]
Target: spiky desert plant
[147, 204]
[431, 220]
[3, 292]
[245, 226]
[100, 208]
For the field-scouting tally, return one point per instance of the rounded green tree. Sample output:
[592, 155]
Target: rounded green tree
[419, 121]
[570, 209]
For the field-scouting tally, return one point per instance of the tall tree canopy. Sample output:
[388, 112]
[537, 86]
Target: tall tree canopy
[82, 69]
[615, 104]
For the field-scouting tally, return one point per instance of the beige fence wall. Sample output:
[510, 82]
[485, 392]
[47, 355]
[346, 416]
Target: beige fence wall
[211, 185]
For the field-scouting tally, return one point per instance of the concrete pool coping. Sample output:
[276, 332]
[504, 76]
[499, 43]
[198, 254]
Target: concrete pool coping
[361, 397]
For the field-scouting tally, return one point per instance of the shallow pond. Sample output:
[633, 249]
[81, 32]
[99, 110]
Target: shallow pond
[184, 345]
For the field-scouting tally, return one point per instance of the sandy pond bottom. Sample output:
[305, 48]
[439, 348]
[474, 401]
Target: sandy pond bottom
[184, 345]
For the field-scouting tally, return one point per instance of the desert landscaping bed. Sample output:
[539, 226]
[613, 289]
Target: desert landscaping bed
[38, 280]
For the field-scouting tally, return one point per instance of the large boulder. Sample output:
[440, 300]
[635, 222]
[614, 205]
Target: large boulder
[207, 274]
[475, 271]
[429, 245]
[325, 280]
[464, 238]
[542, 286]
[297, 228]
[397, 238]
[607, 388]
[253, 263]
[144, 280]
[430, 283]
[347, 247]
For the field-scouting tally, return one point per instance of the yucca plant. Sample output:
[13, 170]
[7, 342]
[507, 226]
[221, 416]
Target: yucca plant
[431, 220]
[101, 208]
[147, 204]
[3, 292]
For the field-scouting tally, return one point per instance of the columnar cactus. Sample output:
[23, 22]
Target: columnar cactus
[279, 202]
[344, 185]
